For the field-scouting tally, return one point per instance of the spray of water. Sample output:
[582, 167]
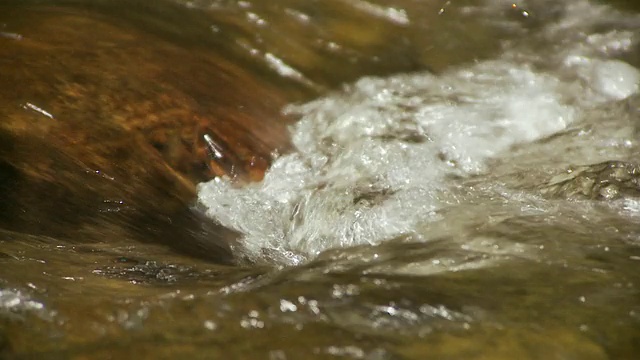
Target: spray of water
[378, 158]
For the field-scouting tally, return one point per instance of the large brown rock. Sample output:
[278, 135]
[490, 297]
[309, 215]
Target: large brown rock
[103, 123]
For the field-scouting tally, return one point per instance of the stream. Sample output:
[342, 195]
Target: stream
[442, 179]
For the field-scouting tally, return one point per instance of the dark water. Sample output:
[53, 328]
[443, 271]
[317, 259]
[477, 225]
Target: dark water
[104, 105]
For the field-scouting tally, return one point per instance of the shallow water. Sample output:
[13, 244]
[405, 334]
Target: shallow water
[479, 198]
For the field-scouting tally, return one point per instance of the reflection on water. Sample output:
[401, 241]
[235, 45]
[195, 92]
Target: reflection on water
[477, 199]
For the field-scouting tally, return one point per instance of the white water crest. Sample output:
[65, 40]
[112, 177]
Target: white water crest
[377, 160]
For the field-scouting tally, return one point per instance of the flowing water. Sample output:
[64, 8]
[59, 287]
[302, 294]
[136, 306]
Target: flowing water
[472, 191]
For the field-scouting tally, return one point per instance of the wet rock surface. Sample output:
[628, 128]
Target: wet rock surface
[103, 126]
[605, 181]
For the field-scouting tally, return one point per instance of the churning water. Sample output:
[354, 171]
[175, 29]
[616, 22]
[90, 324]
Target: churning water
[397, 157]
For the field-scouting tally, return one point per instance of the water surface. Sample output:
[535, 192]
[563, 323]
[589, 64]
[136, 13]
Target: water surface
[461, 183]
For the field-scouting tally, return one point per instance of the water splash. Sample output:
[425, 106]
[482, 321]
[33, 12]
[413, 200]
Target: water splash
[378, 158]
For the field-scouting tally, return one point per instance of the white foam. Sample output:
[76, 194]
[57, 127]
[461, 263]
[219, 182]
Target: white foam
[615, 79]
[374, 160]
[15, 303]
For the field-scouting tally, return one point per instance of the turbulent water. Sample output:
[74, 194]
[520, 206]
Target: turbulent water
[390, 157]
[484, 210]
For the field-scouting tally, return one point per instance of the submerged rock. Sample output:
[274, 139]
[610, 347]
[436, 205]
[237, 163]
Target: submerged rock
[103, 121]
[605, 181]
